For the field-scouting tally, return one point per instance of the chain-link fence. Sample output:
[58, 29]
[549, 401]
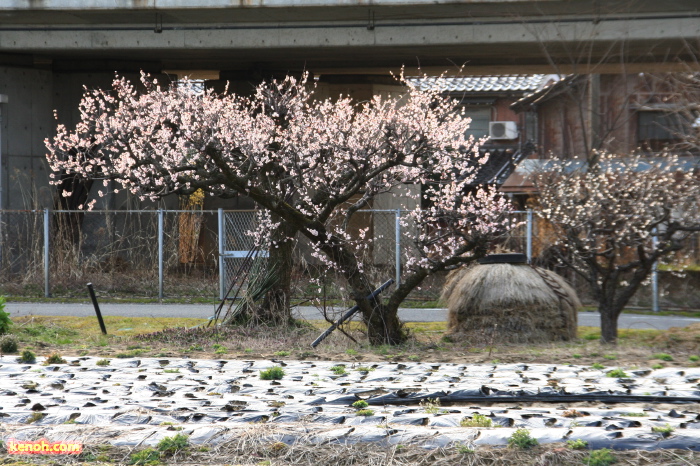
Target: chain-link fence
[125, 253]
[21, 252]
[197, 253]
[238, 250]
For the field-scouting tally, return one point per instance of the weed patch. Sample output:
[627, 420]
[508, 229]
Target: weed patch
[273, 373]
[522, 439]
[477, 420]
[27, 357]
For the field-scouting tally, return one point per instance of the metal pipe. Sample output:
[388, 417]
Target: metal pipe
[529, 236]
[160, 254]
[97, 309]
[350, 313]
[222, 278]
[654, 276]
[397, 250]
[47, 257]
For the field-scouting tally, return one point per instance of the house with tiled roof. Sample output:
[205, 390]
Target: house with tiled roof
[505, 134]
[616, 113]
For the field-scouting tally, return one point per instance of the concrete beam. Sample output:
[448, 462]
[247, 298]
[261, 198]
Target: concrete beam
[529, 32]
[492, 70]
[343, 34]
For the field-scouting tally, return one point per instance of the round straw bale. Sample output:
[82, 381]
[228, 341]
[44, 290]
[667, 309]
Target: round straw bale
[510, 303]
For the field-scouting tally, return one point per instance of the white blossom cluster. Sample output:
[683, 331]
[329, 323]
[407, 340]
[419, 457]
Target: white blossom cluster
[606, 216]
[313, 163]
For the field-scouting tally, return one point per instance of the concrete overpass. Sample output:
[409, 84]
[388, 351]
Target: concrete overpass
[50, 49]
[345, 36]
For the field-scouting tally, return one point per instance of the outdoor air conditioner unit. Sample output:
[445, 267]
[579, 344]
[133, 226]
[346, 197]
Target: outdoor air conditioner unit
[503, 130]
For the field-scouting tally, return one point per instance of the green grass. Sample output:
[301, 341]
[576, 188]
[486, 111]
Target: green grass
[463, 449]
[273, 373]
[522, 439]
[339, 370]
[35, 416]
[662, 356]
[147, 456]
[219, 349]
[602, 457]
[171, 445]
[618, 373]
[9, 344]
[27, 357]
[67, 330]
[637, 336]
[477, 420]
[64, 330]
[130, 354]
[54, 358]
[360, 404]
[663, 430]
[364, 412]
[577, 444]
[364, 369]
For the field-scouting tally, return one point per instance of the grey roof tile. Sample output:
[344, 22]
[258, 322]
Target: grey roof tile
[502, 83]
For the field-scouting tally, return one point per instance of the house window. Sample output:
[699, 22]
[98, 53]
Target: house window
[481, 116]
[656, 130]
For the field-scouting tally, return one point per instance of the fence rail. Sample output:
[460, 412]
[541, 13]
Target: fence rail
[184, 253]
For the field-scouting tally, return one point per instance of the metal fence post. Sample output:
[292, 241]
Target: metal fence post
[528, 244]
[47, 255]
[654, 277]
[222, 278]
[160, 253]
[397, 233]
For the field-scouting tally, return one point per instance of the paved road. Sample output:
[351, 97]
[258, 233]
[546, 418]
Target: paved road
[591, 319]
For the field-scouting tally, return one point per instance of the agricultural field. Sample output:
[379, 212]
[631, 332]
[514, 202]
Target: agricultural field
[174, 391]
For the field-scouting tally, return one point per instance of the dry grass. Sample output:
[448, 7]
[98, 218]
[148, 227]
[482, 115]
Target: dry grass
[685, 338]
[256, 446]
[169, 337]
[508, 302]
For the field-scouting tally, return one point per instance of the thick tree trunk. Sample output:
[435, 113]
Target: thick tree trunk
[275, 308]
[608, 324]
[382, 320]
[384, 326]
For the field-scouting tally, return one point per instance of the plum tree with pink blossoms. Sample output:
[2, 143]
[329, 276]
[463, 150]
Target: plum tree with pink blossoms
[613, 220]
[309, 164]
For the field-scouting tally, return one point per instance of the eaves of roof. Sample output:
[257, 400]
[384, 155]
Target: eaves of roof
[548, 92]
[481, 84]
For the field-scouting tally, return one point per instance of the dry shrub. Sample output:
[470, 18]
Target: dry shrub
[509, 303]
